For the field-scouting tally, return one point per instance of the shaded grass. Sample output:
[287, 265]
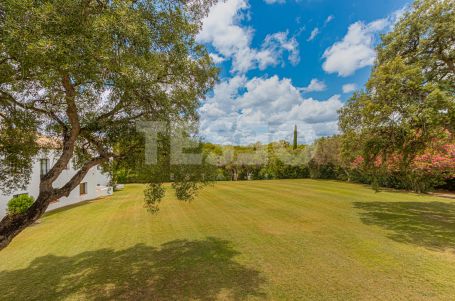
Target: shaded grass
[430, 224]
[180, 269]
[276, 240]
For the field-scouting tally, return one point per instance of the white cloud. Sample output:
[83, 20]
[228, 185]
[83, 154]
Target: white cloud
[240, 110]
[279, 42]
[216, 58]
[274, 1]
[313, 34]
[313, 111]
[328, 20]
[245, 111]
[348, 88]
[223, 29]
[315, 86]
[356, 50]
[221, 102]
[269, 95]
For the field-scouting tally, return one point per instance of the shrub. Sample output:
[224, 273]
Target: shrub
[153, 195]
[19, 204]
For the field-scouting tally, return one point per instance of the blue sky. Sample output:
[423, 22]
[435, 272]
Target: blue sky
[286, 62]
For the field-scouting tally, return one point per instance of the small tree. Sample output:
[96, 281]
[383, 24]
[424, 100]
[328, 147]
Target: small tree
[83, 72]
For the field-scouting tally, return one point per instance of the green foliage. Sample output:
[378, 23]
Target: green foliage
[19, 204]
[84, 72]
[425, 37]
[326, 162]
[17, 148]
[324, 159]
[186, 179]
[153, 193]
[409, 101]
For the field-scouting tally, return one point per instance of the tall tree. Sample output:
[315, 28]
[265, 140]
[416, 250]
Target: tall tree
[83, 72]
[295, 143]
[409, 100]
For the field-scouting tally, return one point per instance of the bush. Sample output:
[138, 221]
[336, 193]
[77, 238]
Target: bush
[19, 204]
[153, 195]
[449, 184]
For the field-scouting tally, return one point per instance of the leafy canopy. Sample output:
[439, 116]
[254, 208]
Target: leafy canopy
[82, 72]
[409, 101]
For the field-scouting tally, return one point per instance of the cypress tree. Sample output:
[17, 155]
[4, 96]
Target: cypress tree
[295, 137]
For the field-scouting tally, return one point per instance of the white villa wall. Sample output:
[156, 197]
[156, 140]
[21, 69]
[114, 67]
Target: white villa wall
[97, 185]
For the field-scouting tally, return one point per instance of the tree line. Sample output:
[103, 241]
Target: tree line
[326, 158]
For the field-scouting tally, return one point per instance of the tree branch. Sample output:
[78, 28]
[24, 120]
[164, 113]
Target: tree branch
[79, 176]
[9, 98]
[98, 145]
[69, 139]
[115, 110]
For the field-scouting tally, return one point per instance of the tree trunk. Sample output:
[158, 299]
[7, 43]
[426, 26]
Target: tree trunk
[10, 226]
[235, 175]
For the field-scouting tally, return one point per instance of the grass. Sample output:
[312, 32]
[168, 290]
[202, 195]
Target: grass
[276, 240]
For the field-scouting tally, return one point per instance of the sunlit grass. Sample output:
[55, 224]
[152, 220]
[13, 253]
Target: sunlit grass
[279, 240]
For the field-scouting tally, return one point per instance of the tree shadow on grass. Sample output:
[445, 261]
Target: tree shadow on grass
[431, 224]
[178, 270]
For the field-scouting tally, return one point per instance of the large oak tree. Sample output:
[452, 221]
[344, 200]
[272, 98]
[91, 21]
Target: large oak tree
[82, 72]
[409, 100]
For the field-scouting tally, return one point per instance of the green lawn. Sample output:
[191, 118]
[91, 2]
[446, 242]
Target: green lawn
[278, 240]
